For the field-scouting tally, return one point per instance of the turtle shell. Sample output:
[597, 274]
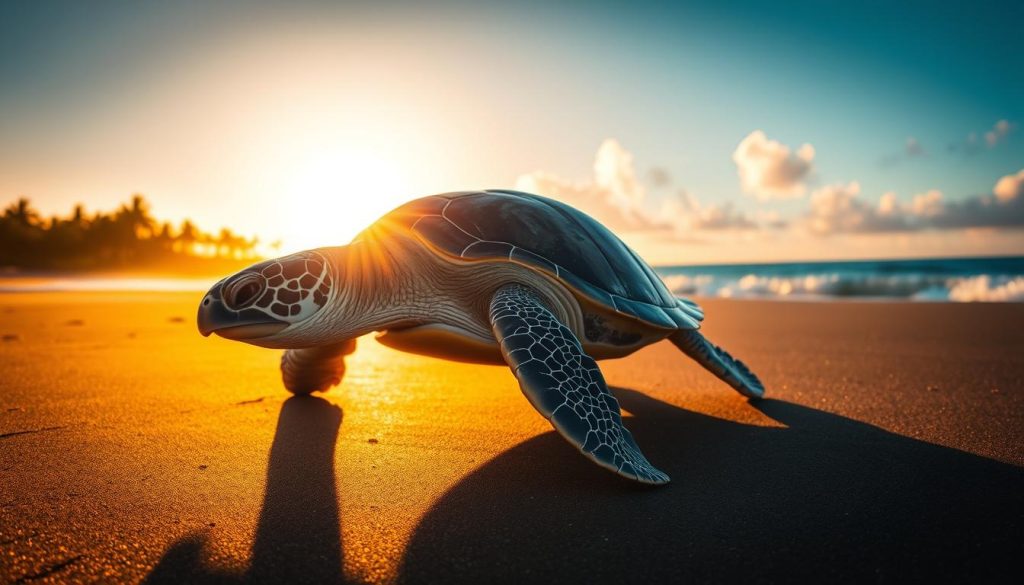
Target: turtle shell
[552, 237]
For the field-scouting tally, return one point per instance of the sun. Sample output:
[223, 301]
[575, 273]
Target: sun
[331, 196]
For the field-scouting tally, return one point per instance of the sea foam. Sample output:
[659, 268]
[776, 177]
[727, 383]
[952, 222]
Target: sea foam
[958, 280]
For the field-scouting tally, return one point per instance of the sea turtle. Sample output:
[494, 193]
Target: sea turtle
[485, 276]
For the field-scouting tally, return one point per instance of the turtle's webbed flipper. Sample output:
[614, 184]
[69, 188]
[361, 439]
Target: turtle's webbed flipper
[718, 361]
[564, 384]
[315, 369]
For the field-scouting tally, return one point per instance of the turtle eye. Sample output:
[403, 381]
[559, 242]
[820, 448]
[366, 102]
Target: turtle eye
[244, 291]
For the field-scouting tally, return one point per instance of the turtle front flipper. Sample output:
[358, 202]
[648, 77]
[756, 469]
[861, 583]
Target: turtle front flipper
[564, 384]
[718, 361]
[315, 369]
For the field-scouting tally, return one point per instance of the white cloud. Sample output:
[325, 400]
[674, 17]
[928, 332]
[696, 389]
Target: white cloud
[770, 169]
[927, 204]
[839, 208]
[724, 216]
[615, 176]
[887, 204]
[1003, 208]
[688, 214]
[618, 199]
[613, 195]
[616, 196]
[1010, 187]
[999, 132]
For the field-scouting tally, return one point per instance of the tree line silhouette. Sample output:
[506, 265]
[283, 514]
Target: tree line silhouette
[126, 238]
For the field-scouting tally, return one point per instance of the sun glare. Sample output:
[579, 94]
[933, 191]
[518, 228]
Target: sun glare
[332, 196]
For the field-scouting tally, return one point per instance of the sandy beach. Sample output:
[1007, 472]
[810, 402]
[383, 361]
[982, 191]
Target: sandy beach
[890, 449]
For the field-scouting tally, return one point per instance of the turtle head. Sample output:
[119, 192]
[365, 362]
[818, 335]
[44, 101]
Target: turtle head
[271, 303]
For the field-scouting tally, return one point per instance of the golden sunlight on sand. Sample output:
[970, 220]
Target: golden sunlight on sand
[144, 450]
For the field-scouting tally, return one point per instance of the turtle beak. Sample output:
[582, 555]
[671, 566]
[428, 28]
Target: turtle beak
[244, 324]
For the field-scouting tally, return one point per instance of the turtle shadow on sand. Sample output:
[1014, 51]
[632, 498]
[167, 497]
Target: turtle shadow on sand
[297, 536]
[823, 499]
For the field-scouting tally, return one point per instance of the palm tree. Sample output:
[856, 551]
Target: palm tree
[187, 237]
[78, 216]
[228, 243]
[21, 212]
[128, 237]
[138, 216]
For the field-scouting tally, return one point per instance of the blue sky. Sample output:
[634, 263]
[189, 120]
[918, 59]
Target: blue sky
[211, 110]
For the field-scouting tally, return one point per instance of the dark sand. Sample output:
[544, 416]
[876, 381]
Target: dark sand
[891, 449]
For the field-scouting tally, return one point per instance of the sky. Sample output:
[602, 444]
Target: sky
[700, 132]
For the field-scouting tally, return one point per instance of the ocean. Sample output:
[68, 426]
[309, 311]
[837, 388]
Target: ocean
[935, 279]
[941, 279]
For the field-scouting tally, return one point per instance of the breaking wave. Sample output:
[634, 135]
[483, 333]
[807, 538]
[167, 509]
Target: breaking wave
[838, 280]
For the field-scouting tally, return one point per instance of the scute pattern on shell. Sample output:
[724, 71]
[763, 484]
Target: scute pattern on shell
[613, 275]
[564, 384]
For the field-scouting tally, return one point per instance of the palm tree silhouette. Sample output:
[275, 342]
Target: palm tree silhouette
[130, 237]
[21, 212]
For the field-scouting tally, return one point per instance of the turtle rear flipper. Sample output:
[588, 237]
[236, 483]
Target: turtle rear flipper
[718, 361]
[564, 384]
[315, 369]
